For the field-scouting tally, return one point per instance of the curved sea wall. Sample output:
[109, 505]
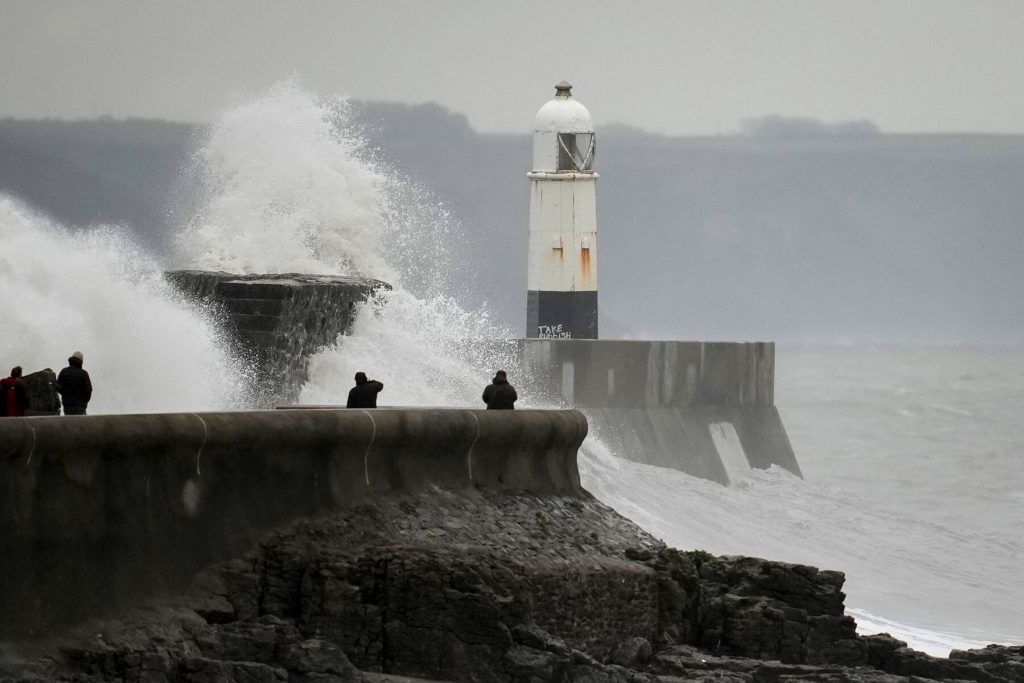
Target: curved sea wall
[98, 509]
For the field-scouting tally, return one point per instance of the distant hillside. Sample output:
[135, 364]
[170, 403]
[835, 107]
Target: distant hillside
[796, 231]
[105, 171]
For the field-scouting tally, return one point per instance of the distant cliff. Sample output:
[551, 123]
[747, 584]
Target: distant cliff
[792, 230]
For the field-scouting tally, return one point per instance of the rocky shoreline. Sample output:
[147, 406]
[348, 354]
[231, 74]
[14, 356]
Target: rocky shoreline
[490, 586]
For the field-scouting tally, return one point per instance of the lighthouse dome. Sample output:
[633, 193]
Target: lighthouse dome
[563, 135]
[562, 114]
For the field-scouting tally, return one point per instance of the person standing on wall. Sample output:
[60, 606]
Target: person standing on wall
[13, 399]
[499, 394]
[74, 385]
[364, 393]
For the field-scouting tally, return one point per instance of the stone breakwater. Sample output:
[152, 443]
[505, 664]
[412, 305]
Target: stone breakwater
[278, 320]
[490, 586]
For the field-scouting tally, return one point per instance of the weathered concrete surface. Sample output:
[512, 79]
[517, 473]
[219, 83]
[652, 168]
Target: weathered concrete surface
[493, 586]
[279, 320]
[94, 509]
[700, 407]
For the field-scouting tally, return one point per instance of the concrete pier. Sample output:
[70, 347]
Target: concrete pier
[97, 509]
[705, 408]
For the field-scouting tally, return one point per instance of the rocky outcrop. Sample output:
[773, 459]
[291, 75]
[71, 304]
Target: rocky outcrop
[99, 512]
[493, 587]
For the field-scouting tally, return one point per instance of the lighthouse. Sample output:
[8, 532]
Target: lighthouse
[562, 273]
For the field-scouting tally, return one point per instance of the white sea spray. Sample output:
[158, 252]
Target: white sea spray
[95, 291]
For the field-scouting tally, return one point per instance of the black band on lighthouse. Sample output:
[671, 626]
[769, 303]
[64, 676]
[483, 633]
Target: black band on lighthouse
[561, 315]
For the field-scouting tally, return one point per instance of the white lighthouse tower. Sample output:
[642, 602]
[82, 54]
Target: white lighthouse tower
[562, 278]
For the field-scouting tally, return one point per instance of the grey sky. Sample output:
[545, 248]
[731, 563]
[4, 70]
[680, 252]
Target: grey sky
[675, 67]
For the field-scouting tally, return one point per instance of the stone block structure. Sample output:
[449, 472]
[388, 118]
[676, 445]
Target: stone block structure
[279, 320]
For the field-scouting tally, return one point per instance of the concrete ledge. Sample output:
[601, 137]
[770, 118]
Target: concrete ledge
[100, 508]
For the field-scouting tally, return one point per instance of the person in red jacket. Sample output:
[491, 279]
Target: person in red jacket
[13, 399]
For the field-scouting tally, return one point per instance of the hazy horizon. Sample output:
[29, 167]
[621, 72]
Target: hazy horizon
[680, 68]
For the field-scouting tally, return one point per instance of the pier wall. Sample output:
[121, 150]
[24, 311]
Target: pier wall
[705, 408]
[97, 509]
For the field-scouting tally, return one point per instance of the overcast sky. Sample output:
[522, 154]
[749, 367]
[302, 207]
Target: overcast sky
[675, 67]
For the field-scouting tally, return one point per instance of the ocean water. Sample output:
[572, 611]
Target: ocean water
[931, 440]
[910, 489]
[909, 454]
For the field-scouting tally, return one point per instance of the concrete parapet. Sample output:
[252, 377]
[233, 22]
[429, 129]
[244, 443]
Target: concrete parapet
[99, 508]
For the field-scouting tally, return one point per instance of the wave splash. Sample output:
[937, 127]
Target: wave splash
[287, 183]
[95, 291]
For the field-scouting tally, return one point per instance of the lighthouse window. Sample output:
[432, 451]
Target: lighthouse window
[576, 151]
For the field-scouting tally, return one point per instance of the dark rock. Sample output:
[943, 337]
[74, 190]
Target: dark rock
[535, 637]
[639, 554]
[1004, 661]
[317, 656]
[631, 653]
[201, 670]
[527, 664]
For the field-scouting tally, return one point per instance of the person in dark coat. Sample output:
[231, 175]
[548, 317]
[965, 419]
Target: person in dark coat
[364, 393]
[74, 385]
[499, 394]
[13, 399]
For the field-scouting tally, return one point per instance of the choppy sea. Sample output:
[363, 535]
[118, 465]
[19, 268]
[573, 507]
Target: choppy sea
[912, 486]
